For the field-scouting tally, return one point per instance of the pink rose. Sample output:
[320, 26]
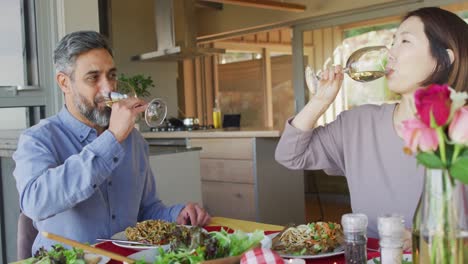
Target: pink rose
[418, 135]
[435, 99]
[458, 129]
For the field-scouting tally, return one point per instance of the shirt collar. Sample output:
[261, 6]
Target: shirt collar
[76, 127]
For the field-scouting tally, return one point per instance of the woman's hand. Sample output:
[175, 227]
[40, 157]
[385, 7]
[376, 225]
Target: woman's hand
[328, 87]
[329, 84]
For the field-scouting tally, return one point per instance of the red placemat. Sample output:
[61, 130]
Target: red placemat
[372, 243]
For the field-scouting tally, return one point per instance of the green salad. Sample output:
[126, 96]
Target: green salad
[60, 255]
[200, 246]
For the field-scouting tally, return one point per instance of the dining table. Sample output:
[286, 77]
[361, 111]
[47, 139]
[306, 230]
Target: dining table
[230, 224]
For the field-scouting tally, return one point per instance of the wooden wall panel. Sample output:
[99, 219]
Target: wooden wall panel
[198, 88]
[274, 36]
[285, 35]
[262, 37]
[242, 91]
[268, 88]
[282, 90]
[318, 51]
[208, 91]
[189, 90]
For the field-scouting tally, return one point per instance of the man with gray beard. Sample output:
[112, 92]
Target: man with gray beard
[84, 173]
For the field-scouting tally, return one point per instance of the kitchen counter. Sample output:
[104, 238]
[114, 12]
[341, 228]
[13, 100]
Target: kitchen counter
[239, 175]
[217, 133]
[162, 150]
[9, 141]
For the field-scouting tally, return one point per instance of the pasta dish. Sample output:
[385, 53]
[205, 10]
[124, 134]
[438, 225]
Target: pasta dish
[156, 232]
[310, 239]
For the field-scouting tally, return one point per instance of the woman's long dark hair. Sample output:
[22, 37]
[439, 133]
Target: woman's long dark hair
[445, 30]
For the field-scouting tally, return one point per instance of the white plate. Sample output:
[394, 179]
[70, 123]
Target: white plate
[121, 236]
[149, 255]
[406, 257]
[103, 260]
[338, 251]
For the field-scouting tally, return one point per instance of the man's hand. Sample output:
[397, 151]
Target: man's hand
[123, 117]
[407, 243]
[194, 215]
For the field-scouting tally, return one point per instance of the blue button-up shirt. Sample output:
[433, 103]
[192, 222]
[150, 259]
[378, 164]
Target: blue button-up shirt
[82, 186]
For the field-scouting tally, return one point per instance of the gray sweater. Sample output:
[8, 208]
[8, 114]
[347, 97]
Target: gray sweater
[362, 145]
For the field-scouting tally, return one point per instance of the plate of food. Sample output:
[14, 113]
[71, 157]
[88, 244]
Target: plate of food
[61, 255]
[201, 245]
[151, 234]
[309, 241]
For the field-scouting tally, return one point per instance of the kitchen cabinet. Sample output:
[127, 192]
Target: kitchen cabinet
[241, 179]
[177, 174]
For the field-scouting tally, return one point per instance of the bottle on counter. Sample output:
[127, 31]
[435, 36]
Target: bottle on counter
[391, 230]
[355, 238]
[216, 115]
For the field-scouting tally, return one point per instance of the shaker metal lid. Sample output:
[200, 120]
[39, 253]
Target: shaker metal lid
[354, 222]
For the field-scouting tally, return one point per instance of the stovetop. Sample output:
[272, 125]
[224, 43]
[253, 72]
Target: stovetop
[174, 124]
[166, 128]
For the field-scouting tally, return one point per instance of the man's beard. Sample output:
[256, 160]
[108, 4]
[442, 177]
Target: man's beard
[91, 111]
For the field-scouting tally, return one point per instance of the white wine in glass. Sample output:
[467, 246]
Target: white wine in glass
[363, 65]
[155, 112]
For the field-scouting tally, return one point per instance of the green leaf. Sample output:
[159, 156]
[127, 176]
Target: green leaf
[140, 83]
[430, 160]
[459, 169]
[464, 153]
[449, 149]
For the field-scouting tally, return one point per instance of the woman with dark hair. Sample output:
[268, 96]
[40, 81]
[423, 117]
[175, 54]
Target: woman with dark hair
[363, 144]
[448, 36]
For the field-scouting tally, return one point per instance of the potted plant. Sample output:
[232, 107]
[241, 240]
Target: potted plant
[141, 84]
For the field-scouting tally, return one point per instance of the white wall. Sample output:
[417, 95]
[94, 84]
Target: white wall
[133, 33]
[79, 15]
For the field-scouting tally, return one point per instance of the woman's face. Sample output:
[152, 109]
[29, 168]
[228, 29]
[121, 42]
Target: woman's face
[410, 61]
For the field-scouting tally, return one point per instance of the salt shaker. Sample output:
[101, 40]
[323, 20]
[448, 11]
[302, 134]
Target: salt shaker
[355, 238]
[391, 230]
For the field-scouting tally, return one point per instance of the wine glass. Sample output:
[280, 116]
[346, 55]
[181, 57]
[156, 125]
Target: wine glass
[363, 65]
[155, 112]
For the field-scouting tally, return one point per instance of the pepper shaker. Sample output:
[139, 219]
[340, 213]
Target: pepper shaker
[355, 238]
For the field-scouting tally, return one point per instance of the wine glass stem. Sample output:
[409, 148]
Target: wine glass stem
[345, 70]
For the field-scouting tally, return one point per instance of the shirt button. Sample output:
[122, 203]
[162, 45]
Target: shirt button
[110, 183]
[94, 186]
[113, 217]
[115, 159]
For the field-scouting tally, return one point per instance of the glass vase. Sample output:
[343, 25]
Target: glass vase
[440, 223]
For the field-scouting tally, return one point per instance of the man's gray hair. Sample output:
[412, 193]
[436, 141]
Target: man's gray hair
[73, 45]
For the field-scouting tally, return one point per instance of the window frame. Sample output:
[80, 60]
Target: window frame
[41, 95]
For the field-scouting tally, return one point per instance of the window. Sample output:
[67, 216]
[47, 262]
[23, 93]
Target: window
[27, 85]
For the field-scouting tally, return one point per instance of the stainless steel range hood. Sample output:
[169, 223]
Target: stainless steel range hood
[176, 41]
